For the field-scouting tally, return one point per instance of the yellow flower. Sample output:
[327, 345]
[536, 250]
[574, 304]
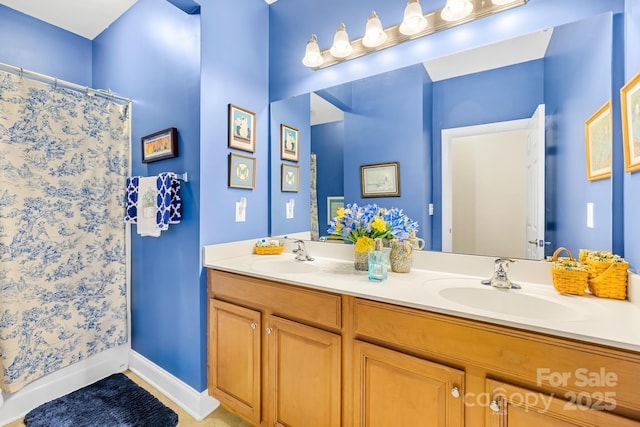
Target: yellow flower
[379, 224]
[364, 244]
[340, 213]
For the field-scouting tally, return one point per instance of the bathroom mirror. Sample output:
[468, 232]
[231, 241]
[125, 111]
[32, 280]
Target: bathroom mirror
[400, 116]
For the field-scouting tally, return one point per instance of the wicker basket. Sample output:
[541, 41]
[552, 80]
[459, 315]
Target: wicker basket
[569, 276]
[268, 250]
[607, 274]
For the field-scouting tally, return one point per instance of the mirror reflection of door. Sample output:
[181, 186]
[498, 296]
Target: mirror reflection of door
[493, 188]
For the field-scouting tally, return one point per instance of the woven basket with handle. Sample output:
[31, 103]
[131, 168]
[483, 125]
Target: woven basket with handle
[569, 276]
[607, 274]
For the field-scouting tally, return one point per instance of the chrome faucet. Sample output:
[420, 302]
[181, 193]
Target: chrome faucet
[500, 279]
[301, 251]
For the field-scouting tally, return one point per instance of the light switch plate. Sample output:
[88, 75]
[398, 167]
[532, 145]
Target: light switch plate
[241, 213]
[589, 215]
[430, 208]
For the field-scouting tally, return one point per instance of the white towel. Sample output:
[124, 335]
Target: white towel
[148, 207]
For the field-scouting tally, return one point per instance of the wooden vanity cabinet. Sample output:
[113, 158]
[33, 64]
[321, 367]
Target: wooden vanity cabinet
[274, 351]
[396, 389]
[288, 356]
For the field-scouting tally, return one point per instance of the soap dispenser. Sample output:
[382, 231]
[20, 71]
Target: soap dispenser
[378, 262]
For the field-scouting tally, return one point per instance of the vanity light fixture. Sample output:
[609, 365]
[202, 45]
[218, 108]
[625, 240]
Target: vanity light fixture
[413, 21]
[341, 45]
[455, 10]
[374, 34]
[312, 56]
[415, 24]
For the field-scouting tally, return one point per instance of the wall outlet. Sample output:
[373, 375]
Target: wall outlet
[430, 208]
[289, 208]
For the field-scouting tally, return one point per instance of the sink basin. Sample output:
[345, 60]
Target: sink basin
[284, 266]
[512, 302]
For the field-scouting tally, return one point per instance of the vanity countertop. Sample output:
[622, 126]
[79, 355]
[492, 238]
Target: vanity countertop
[449, 284]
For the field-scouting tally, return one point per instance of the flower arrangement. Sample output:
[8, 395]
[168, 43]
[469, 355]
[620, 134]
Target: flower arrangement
[362, 224]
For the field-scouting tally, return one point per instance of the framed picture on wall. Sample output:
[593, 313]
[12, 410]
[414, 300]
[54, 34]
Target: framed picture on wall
[242, 171]
[290, 180]
[242, 129]
[599, 143]
[380, 180]
[630, 103]
[160, 145]
[289, 143]
[333, 204]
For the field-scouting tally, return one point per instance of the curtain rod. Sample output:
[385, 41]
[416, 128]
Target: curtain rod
[22, 72]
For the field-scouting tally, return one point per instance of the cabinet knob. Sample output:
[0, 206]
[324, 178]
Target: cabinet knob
[494, 406]
[268, 330]
[455, 392]
[254, 325]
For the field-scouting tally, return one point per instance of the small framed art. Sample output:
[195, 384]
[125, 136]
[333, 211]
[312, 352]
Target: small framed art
[598, 143]
[290, 180]
[289, 143]
[630, 105]
[333, 204]
[380, 180]
[242, 129]
[242, 171]
[160, 145]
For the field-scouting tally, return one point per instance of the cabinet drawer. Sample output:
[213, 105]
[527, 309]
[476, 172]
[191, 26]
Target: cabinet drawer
[540, 361]
[292, 302]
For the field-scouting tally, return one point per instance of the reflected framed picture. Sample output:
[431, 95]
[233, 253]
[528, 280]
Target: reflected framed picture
[242, 129]
[598, 143]
[333, 204]
[289, 143]
[242, 171]
[630, 105]
[160, 145]
[290, 180]
[380, 180]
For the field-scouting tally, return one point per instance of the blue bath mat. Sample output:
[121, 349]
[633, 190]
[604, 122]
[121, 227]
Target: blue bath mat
[115, 401]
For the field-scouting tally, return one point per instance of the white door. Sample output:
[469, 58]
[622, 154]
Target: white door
[535, 185]
[535, 197]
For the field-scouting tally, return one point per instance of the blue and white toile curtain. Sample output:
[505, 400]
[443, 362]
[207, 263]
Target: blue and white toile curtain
[63, 164]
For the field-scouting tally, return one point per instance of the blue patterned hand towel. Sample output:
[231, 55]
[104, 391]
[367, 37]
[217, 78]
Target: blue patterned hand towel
[164, 197]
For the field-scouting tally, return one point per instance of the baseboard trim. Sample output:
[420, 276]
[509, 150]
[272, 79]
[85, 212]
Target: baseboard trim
[66, 380]
[196, 404]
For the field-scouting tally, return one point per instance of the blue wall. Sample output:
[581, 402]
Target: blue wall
[385, 125]
[152, 55]
[37, 46]
[578, 57]
[235, 48]
[503, 94]
[294, 112]
[327, 142]
[632, 180]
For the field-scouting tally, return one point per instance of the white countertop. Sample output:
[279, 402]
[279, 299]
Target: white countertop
[433, 279]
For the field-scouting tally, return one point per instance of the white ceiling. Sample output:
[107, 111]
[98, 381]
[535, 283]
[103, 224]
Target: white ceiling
[508, 52]
[87, 18]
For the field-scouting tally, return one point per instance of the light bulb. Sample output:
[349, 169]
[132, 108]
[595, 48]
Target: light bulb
[456, 10]
[374, 34]
[312, 56]
[341, 45]
[413, 21]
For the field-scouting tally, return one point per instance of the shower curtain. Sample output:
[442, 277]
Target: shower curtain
[63, 164]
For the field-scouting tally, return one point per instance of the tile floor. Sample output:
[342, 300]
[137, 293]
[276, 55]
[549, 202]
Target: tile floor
[218, 418]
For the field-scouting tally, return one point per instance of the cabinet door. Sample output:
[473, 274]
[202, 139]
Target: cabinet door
[234, 358]
[509, 405]
[396, 389]
[304, 374]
